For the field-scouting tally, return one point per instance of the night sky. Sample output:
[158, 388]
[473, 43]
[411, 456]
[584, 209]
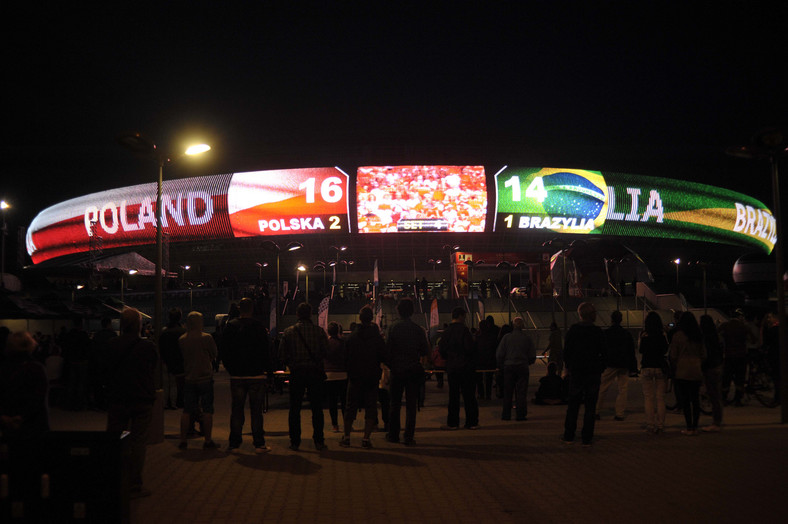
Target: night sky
[659, 90]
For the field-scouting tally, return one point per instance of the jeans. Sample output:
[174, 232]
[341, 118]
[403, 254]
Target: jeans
[462, 382]
[515, 383]
[240, 389]
[361, 395]
[585, 389]
[410, 385]
[735, 369]
[336, 390]
[655, 385]
[621, 377]
[136, 419]
[690, 392]
[713, 380]
[310, 381]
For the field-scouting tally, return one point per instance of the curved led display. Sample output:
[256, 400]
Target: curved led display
[594, 202]
[212, 207]
[402, 198]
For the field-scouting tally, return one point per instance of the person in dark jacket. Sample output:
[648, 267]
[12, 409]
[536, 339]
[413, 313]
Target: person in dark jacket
[456, 346]
[303, 349]
[336, 374]
[620, 361]
[712, 372]
[131, 364]
[23, 389]
[365, 352]
[486, 344]
[407, 343]
[584, 359]
[173, 359]
[243, 347]
[654, 372]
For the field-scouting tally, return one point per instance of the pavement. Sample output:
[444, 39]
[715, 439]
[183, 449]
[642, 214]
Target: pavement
[502, 472]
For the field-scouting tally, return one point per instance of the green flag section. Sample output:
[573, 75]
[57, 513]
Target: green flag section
[579, 201]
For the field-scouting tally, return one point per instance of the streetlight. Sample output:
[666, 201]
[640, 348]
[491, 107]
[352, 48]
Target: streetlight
[184, 269]
[140, 144]
[771, 144]
[123, 281]
[508, 267]
[471, 264]
[303, 268]
[270, 245]
[677, 261]
[450, 250]
[3, 206]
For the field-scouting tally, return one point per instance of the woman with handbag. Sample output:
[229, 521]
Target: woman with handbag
[653, 372]
[687, 353]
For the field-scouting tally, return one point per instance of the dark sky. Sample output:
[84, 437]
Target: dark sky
[657, 89]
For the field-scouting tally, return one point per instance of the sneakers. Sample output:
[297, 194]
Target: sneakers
[567, 442]
[366, 443]
[472, 427]
[320, 446]
[293, 447]
[714, 428]
[345, 442]
[210, 445]
[260, 450]
[233, 449]
[689, 432]
[449, 428]
[392, 439]
[335, 429]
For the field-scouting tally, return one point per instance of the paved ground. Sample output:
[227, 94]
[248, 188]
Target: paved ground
[503, 472]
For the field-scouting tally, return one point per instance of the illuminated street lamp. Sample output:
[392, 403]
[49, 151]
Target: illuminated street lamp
[677, 261]
[140, 144]
[304, 269]
[3, 206]
[771, 144]
[123, 281]
[272, 246]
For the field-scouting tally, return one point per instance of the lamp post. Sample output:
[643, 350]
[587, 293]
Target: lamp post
[140, 144]
[270, 245]
[450, 250]
[771, 144]
[677, 261]
[123, 281]
[508, 267]
[3, 206]
[305, 270]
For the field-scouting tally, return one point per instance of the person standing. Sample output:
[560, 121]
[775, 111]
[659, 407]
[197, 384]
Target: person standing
[98, 364]
[653, 372]
[687, 353]
[620, 361]
[131, 364]
[23, 389]
[584, 361]
[76, 357]
[365, 352]
[712, 372]
[303, 349]
[457, 347]
[244, 349]
[735, 335]
[199, 352]
[555, 348]
[173, 359]
[486, 343]
[407, 343]
[336, 374]
[514, 355]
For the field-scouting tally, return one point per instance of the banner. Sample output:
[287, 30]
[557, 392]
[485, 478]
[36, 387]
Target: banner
[322, 313]
[579, 201]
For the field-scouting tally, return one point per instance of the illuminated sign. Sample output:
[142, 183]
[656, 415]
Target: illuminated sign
[212, 207]
[288, 201]
[421, 198]
[593, 202]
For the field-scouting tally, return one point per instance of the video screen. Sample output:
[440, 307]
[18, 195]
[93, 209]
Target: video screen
[394, 199]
